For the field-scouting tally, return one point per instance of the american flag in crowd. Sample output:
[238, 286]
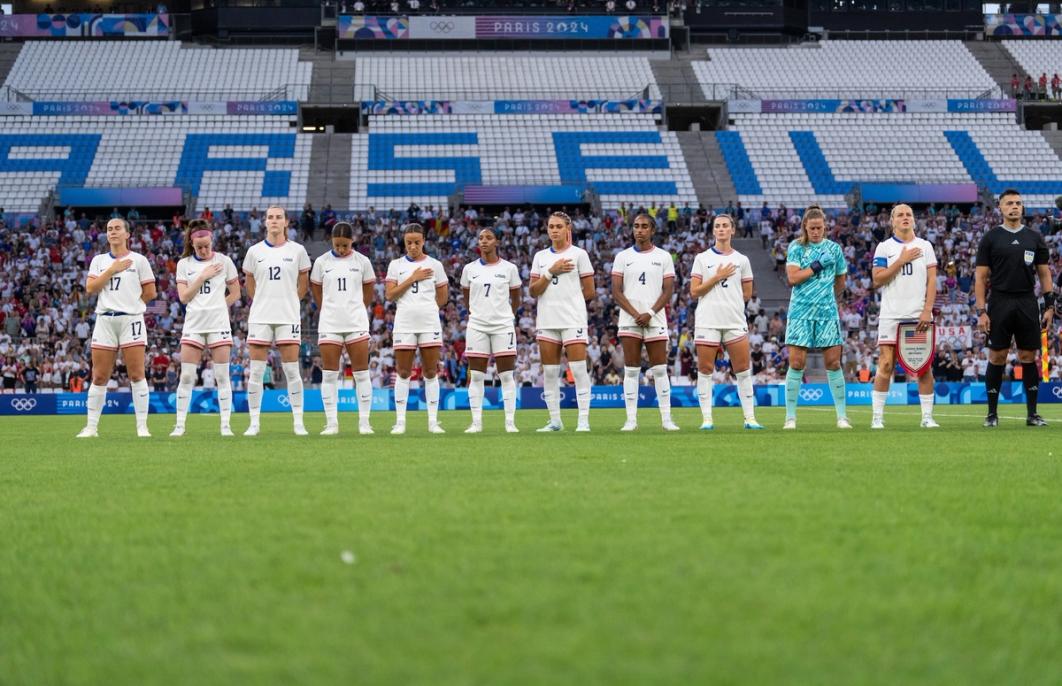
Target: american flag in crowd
[914, 336]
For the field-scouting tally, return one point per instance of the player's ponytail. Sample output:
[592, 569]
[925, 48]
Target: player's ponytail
[812, 212]
[343, 230]
[195, 229]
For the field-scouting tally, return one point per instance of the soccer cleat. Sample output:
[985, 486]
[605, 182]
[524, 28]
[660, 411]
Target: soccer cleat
[991, 421]
[929, 423]
[398, 429]
[629, 426]
[753, 425]
[877, 423]
[177, 432]
[474, 428]
[331, 430]
[226, 431]
[707, 426]
[670, 426]
[582, 427]
[300, 430]
[252, 430]
[552, 426]
[365, 429]
[142, 432]
[790, 423]
[88, 432]
[1035, 420]
[843, 423]
[435, 429]
[510, 427]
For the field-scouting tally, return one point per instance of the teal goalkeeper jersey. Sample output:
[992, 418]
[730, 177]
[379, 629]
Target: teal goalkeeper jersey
[814, 298]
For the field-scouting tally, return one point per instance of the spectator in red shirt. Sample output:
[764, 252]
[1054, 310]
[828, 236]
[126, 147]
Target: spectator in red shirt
[1015, 86]
[1056, 87]
[1043, 86]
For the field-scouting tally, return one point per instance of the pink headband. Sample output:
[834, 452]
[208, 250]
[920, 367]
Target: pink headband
[202, 233]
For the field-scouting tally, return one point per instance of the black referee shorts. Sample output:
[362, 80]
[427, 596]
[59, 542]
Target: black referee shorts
[1013, 316]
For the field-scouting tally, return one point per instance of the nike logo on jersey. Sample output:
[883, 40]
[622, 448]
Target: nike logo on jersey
[261, 260]
[328, 271]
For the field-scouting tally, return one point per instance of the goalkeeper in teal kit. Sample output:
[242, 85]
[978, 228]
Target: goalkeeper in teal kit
[816, 268]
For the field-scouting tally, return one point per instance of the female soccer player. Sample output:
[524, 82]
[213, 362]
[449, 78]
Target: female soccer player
[815, 267]
[722, 279]
[492, 290]
[208, 283]
[643, 281]
[277, 272]
[342, 282]
[562, 279]
[125, 284]
[418, 285]
[905, 271]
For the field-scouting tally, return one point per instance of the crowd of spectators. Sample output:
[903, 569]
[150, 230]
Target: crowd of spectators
[1042, 88]
[46, 317]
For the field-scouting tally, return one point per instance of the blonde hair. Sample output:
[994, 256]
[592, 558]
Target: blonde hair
[812, 212]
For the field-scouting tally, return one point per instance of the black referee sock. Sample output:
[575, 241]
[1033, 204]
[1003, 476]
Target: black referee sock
[993, 382]
[1030, 378]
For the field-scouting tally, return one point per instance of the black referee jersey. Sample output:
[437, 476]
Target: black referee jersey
[1012, 258]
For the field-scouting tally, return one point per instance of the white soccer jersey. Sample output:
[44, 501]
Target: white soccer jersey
[723, 307]
[904, 296]
[341, 279]
[416, 310]
[562, 305]
[276, 270]
[207, 311]
[490, 310]
[643, 275]
[123, 291]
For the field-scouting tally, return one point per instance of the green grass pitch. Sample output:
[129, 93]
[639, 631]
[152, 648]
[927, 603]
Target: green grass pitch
[898, 557]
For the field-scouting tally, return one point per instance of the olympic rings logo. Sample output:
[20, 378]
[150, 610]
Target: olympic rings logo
[1057, 391]
[27, 404]
[441, 26]
[811, 394]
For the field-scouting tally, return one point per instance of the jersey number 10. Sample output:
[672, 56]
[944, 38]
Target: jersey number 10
[907, 269]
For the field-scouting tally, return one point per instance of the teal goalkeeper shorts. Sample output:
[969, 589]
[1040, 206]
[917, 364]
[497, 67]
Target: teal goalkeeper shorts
[813, 333]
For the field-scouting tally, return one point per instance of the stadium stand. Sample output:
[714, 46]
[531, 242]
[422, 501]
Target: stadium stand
[847, 69]
[1037, 57]
[624, 156]
[157, 69]
[503, 75]
[187, 150]
[797, 159]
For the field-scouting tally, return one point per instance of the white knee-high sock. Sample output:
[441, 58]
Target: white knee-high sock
[582, 388]
[704, 395]
[508, 386]
[663, 390]
[877, 402]
[363, 384]
[475, 395]
[254, 390]
[330, 396]
[630, 391]
[294, 379]
[224, 381]
[401, 399]
[141, 399]
[97, 396]
[431, 395]
[746, 395]
[926, 401]
[184, 391]
[551, 389]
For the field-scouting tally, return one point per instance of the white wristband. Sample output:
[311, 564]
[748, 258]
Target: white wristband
[548, 274]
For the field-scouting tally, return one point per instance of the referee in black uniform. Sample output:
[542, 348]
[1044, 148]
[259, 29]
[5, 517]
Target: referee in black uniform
[1011, 257]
